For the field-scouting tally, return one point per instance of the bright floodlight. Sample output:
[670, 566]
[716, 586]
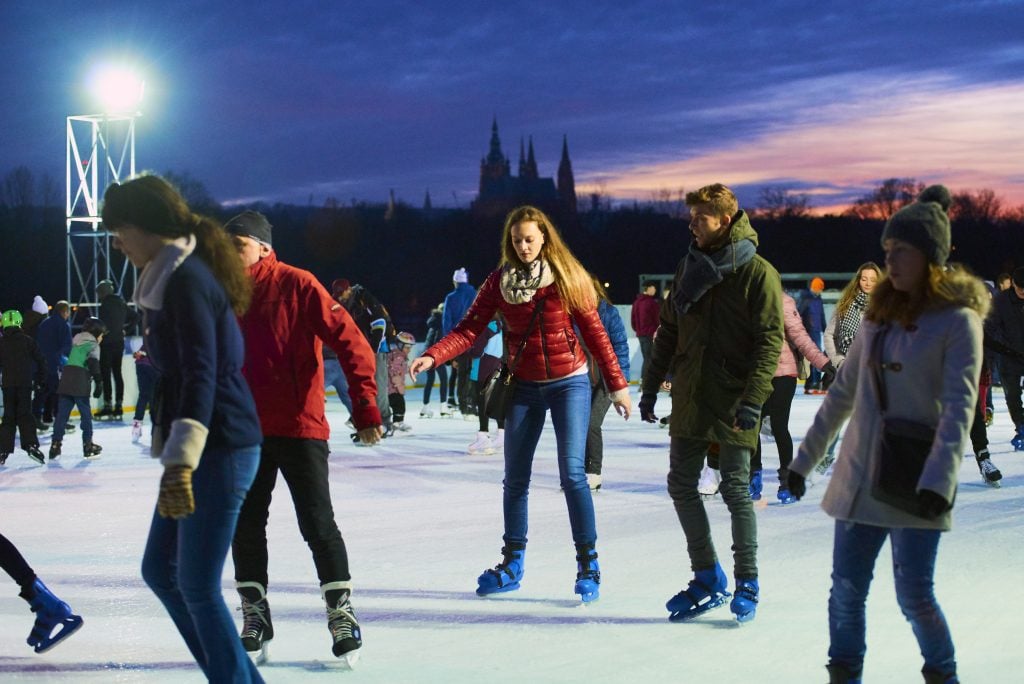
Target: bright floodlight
[118, 89]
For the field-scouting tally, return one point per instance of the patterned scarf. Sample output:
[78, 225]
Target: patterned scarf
[520, 283]
[848, 323]
[702, 271]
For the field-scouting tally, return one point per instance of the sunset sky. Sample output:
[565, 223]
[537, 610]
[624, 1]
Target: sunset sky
[292, 101]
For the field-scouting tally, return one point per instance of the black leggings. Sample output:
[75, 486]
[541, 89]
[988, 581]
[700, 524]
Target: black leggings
[780, 401]
[14, 564]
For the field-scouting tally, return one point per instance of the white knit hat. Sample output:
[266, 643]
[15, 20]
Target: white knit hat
[460, 276]
[40, 306]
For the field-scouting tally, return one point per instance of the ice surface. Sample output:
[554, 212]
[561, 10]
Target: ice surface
[422, 519]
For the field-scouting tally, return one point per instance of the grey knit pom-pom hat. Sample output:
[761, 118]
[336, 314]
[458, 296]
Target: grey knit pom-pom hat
[924, 224]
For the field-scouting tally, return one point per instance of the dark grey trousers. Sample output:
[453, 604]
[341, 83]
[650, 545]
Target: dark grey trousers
[686, 458]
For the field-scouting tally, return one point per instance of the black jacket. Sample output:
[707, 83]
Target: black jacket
[115, 314]
[1004, 328]
[18, 351]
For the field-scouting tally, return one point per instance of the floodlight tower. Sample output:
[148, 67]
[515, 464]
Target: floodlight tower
[100, 151]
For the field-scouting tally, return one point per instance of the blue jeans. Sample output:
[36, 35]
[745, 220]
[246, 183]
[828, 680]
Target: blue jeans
[184, 560]
[442, 373]
[913, 560]
[569, 402]
[335, 377]
[65, 403]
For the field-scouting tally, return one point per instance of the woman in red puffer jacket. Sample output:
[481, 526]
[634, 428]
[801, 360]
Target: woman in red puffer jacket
[540, 282]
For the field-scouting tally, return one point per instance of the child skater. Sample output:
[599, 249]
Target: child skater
[73, 390]
[18, 351]
[398, 366]
[145, 375]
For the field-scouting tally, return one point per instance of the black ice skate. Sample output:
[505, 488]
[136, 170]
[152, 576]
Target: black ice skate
[91, 450]
[35, 454]
[104, 413]
[989, 472]
[257, 629]
[342, 623]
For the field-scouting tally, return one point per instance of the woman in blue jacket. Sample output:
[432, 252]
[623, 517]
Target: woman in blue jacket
[206, 433]
[600, 400]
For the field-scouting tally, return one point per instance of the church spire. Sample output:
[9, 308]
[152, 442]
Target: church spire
[531, 163]
[522, 158]
[566, 181]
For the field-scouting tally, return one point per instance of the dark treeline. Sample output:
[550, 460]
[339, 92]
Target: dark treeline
[406, 256]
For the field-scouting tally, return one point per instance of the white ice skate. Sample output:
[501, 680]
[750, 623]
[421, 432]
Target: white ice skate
[482, 444]
[707, 487]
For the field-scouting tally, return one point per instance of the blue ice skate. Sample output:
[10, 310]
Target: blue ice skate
[705, 592]
[51, 614]
[1018, 439]
[755, 485]
[588, 574]
[744, 603]
[786, 497]
[504, 576]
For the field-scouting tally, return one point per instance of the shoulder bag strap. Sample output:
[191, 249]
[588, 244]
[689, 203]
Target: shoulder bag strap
[522, 345]
[878, 368]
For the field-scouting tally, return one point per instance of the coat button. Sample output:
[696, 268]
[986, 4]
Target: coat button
[896, 367]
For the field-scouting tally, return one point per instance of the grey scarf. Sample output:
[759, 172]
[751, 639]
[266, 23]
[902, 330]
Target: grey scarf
[520, 284]
[702, 271]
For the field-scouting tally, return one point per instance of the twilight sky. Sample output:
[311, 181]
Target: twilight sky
[288, 101]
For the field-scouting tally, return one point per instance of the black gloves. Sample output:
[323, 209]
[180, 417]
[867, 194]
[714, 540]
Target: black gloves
[932, 504]
[746, 417]
[796, 484]
[828, 373]
[647, 400]
[98, 392]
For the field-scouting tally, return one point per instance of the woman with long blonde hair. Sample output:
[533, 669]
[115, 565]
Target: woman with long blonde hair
[916, 359]
[853, 302]
[541, 289]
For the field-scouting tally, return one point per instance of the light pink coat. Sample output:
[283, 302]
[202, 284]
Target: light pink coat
[797, 336]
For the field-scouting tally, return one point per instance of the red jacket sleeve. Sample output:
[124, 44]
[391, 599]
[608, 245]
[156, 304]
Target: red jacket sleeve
[480, 313]
[596, 338]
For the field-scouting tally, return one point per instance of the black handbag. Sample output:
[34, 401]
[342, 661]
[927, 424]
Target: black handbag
[501, 385]
[903, 448]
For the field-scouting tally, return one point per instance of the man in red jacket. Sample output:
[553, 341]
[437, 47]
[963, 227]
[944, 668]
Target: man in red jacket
[644, 319]
[290, 317]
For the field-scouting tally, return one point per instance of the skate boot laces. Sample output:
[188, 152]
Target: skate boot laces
[341, 620]
[254, 616]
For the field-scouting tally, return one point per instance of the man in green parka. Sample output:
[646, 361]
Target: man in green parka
[719, 339]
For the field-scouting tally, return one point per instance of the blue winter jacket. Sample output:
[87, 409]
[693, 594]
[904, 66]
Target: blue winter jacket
[195, 344]
[456, 304]
[54, 339]
[616, 329]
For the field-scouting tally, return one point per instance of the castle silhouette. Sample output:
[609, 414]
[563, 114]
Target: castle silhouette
[500, 191]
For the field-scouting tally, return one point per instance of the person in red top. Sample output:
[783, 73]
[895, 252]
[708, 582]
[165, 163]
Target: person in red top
[645, 318]
[539, 275]
[291, 315]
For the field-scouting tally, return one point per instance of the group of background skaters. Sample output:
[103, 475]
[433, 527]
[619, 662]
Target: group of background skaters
[227, 327]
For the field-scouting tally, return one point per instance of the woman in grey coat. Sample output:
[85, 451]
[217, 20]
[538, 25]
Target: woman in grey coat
[924, 325]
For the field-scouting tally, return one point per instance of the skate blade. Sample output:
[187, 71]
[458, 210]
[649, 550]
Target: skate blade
[261, 656]
[499, 590]
[996, 484]
[69, 626]
[346, 662]
[744, 617]
[687, 615]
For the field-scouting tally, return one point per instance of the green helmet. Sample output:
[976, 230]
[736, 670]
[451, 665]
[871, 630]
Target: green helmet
[12, 319]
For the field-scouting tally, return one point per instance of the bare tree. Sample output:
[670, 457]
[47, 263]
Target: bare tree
[670, 202]
[194, 191]
[978, 208]
[19, 188]
[49, 191]
[884, 201]
[779, 202]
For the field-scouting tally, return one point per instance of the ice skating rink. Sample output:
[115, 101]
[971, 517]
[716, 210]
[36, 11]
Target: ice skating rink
[422, 519]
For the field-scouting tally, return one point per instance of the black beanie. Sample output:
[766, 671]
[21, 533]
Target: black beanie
[250, 224]
[924, 224]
